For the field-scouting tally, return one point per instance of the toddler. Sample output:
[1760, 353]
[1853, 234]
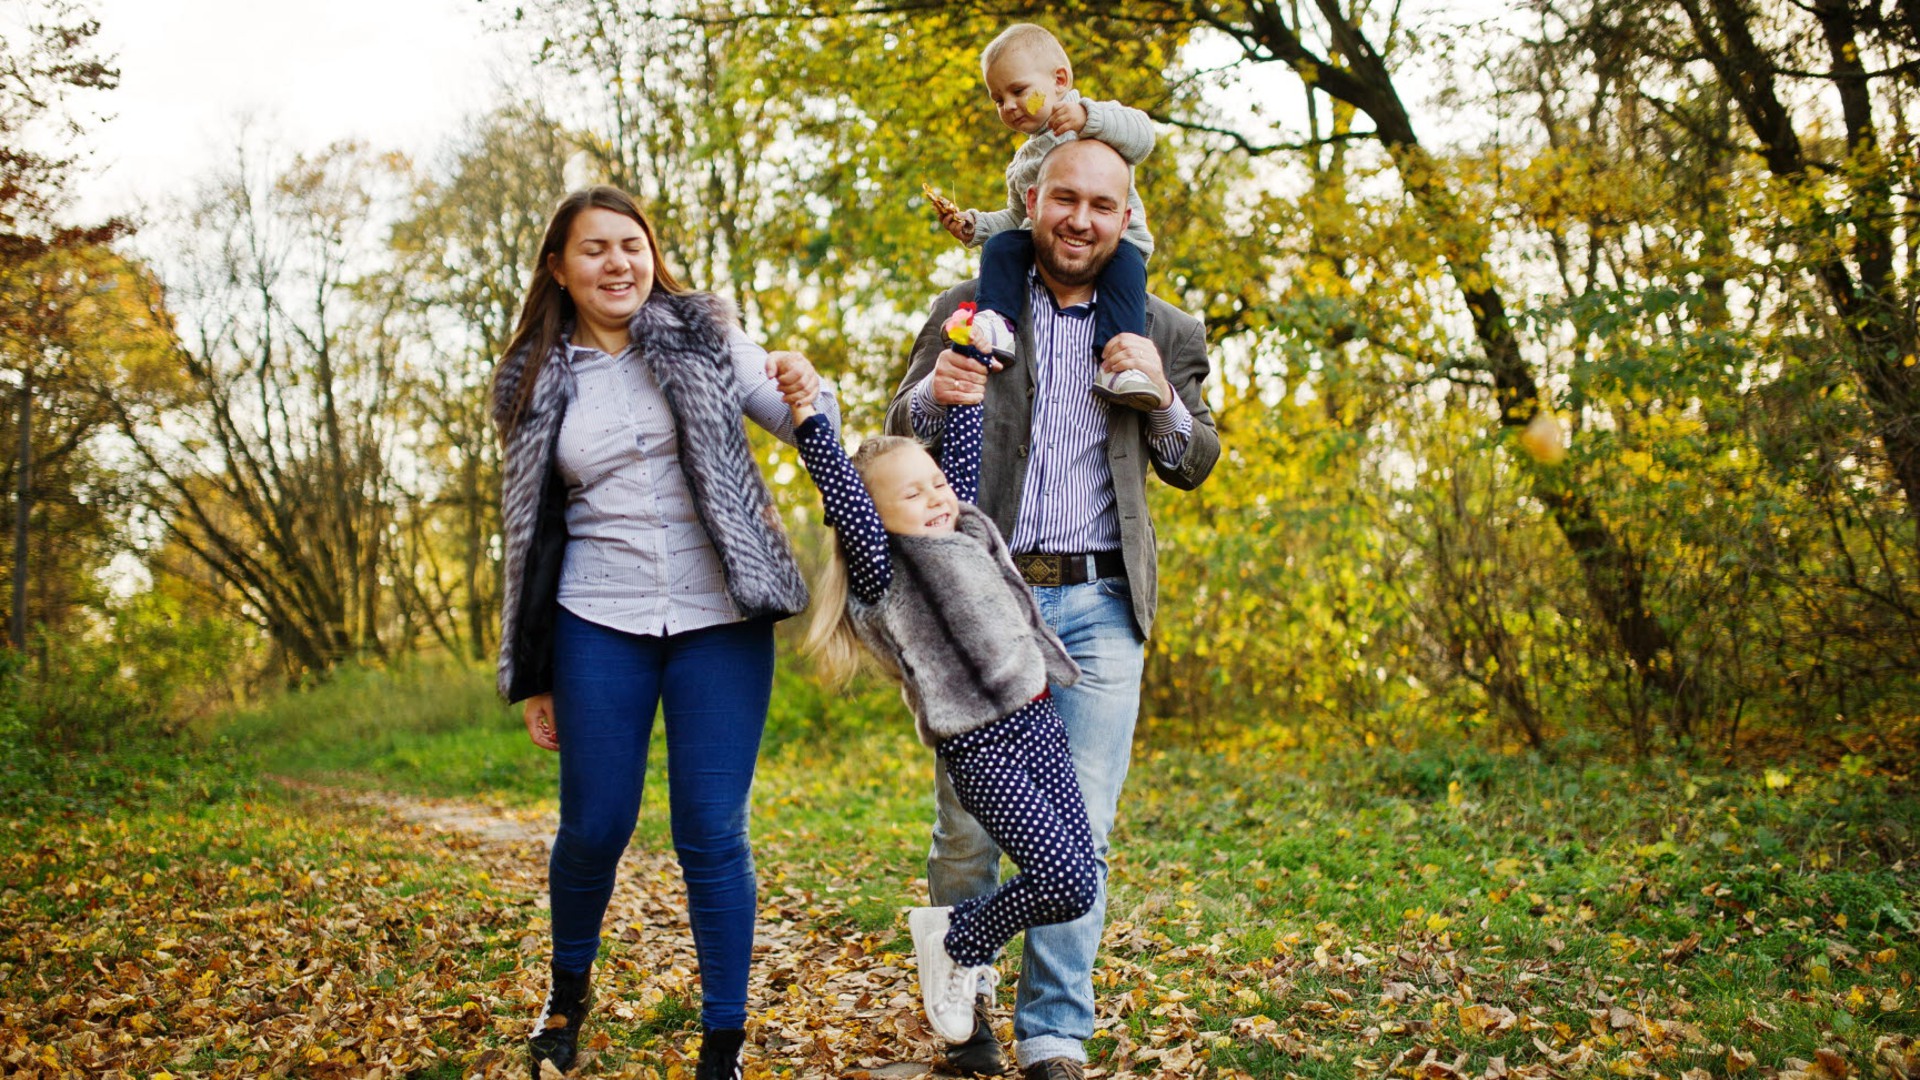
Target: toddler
[1030, 81]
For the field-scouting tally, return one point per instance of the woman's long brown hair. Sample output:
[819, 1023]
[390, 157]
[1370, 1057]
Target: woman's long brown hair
[548, 312]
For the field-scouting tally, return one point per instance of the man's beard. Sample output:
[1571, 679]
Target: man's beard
[1047, 253]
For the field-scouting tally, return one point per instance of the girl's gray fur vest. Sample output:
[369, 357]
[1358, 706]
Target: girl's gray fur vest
[960, 630]
[683, 339]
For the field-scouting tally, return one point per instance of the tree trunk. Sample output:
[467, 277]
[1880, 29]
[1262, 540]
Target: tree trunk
[1870, 311]
[22, 509]
[1615, 577]
[473, 554]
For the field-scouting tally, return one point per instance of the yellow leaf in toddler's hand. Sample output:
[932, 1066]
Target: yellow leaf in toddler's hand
[1034, 101]
[940, 203]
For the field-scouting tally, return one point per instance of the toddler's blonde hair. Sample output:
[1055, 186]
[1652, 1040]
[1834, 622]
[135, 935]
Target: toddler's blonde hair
[830, 639]
[1026, 39]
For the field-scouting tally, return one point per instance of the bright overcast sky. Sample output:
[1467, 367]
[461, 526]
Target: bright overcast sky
[398, 74]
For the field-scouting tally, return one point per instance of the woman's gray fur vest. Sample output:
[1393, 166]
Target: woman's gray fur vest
[683, 339]
[960, 630]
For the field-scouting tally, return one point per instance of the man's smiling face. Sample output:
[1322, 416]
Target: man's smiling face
[1079, 210]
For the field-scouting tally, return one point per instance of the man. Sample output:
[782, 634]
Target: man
[1064, 478]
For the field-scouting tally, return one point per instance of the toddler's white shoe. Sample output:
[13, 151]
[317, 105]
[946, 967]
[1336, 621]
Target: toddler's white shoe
[947, 988]
[993, 334]
[1127, 388]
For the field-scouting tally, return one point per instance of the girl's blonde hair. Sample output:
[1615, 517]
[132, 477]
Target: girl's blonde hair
[830, 640]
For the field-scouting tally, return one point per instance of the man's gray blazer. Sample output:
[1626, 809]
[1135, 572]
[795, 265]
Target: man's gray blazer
[1008, 419]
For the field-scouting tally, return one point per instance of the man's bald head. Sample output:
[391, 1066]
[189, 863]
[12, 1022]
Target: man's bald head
[1089, 162]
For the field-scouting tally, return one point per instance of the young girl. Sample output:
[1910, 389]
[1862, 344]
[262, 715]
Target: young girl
[923, 580]
[1030, 81]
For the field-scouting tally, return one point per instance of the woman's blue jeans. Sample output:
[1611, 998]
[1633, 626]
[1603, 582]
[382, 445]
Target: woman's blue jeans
[714, 684]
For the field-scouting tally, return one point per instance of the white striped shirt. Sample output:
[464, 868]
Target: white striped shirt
[1067, 503]
[638, 558]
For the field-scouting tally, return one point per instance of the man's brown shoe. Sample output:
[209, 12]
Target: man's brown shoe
[1055, 1069]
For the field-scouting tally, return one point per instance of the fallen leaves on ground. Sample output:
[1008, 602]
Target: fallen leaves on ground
[274, 944]
[359, 936]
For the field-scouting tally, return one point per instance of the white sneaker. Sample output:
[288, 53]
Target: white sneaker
[946, 987]
[993, 334]
[1127, 388]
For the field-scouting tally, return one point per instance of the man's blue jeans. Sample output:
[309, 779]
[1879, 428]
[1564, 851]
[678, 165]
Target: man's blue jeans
[1053, 1010]
[715, 684]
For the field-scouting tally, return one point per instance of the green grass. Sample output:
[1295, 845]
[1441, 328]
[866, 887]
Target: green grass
[1243, 878]
[1271, 914]
[436, 728]
[1800, 896]
[428, 728]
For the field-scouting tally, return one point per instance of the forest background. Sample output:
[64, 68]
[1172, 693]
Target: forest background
[1534, 690]
[249, 441]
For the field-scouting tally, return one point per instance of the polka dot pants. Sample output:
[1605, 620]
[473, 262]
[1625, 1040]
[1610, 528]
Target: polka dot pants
[1015, 777]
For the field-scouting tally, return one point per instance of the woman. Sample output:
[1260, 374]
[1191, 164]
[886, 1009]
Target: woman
[644, 564]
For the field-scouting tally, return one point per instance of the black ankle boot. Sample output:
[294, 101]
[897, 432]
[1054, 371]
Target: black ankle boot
[556, 1035]
[720, 1054]
[980, 1055]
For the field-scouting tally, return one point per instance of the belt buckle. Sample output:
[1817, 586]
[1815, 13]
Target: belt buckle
[1043, 570]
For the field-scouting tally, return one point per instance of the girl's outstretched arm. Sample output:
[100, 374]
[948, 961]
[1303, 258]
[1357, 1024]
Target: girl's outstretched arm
[960, 451]
[850, 510]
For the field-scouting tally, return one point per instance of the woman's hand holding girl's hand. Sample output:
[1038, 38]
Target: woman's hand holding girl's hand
[799, 383]
[539, 714]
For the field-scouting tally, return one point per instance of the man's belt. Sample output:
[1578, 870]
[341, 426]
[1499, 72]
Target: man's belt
[1041, 569]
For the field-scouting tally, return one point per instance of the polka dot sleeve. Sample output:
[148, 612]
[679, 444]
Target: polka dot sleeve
[960, 452]
[850, 510]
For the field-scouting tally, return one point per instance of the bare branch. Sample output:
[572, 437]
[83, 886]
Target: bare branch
[1253, 149]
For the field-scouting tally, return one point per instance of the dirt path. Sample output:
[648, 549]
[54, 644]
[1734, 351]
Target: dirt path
[823, 1005]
